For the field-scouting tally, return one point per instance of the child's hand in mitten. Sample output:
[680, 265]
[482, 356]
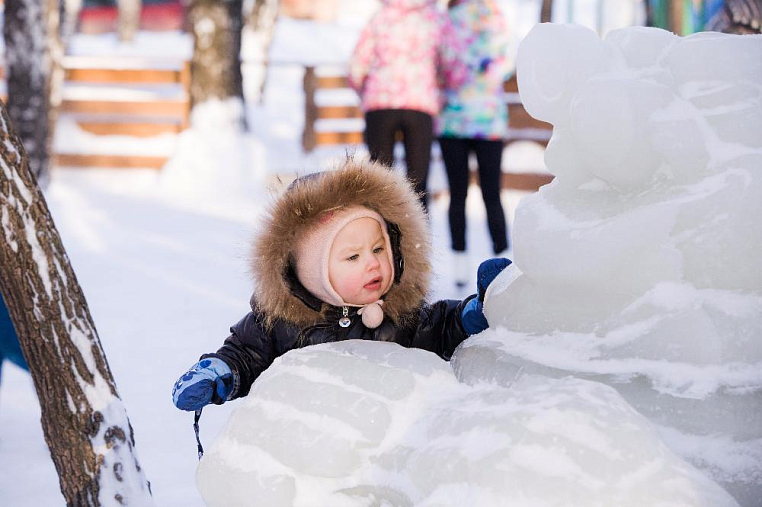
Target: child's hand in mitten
[208, 381]
[473, 313]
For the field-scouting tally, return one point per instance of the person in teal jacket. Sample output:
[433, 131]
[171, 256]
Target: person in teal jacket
[474, 118]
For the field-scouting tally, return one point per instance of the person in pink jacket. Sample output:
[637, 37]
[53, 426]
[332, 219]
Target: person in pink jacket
[394, 70]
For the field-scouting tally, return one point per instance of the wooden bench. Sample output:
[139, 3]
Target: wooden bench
[332, 116]
[123, 96]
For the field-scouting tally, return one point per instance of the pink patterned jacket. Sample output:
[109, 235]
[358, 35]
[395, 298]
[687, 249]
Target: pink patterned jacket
[395, 62]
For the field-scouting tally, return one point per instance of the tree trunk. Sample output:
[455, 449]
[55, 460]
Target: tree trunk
[216, 61]
[260, 16]
[85, 424]
[546, 11]
[32, 53]
[129, 19]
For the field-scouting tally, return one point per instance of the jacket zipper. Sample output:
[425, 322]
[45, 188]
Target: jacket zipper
[345, 321]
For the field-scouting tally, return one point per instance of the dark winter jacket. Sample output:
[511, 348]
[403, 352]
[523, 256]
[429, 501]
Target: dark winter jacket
[251, 347]
[285, 315]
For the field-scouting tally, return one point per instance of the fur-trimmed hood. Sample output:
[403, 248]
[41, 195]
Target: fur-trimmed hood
[279, 295]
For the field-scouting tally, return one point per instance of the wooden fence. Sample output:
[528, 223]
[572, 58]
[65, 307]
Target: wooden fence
[141, 97]
[123, 96]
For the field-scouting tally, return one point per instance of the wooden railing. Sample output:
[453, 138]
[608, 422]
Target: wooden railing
[329, 123]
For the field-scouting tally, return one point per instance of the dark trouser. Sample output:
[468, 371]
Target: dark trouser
[381, 127]
[489, 155]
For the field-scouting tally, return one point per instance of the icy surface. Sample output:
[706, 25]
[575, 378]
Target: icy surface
[371, 423]
[639, 265]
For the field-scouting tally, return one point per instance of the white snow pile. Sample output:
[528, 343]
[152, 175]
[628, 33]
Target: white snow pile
[373, 424]
[217, 166]
[639, 266]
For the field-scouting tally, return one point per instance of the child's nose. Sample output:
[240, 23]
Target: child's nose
[373, 262]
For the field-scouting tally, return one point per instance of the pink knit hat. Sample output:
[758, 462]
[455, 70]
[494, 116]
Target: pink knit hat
[313, 251]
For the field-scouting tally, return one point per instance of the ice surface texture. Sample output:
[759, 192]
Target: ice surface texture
[639, 266]
[373, 424]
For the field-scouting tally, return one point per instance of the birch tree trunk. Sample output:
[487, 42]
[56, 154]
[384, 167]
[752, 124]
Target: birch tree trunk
[216, 61]
[129, 19]
[84, 421]
[260, 17]
[32, 55]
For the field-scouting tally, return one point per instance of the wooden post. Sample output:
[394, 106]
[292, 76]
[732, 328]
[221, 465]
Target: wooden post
[310, 110]
[185, 81]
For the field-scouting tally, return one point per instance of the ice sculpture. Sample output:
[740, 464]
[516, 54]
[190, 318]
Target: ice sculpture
[639, 266]
[362, 424]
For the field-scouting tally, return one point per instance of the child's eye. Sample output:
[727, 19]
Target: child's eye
[378, 249]
[353, 257]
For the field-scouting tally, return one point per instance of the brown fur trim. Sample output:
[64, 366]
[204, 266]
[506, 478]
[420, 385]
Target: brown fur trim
[353, 182]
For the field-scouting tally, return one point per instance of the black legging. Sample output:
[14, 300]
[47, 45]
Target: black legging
[489, 155]
[381, 127]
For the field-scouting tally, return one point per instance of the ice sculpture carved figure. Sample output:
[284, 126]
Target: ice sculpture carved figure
[363, 424]
[639, 266]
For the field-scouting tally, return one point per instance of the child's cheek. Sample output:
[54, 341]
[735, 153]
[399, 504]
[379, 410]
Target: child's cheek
[355, 282]
[351, 283]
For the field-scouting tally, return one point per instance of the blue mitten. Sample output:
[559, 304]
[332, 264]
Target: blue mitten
[208, 381]
[488, 271]
[473, 313]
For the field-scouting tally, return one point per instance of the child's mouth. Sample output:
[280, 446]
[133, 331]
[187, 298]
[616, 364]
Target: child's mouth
[374, 284]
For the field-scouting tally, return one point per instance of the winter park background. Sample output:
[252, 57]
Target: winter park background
[642, 257]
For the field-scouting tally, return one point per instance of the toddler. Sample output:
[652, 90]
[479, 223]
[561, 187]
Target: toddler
[342, 255]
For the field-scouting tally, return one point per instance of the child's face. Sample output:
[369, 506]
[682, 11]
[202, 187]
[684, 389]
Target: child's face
[358, 264]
